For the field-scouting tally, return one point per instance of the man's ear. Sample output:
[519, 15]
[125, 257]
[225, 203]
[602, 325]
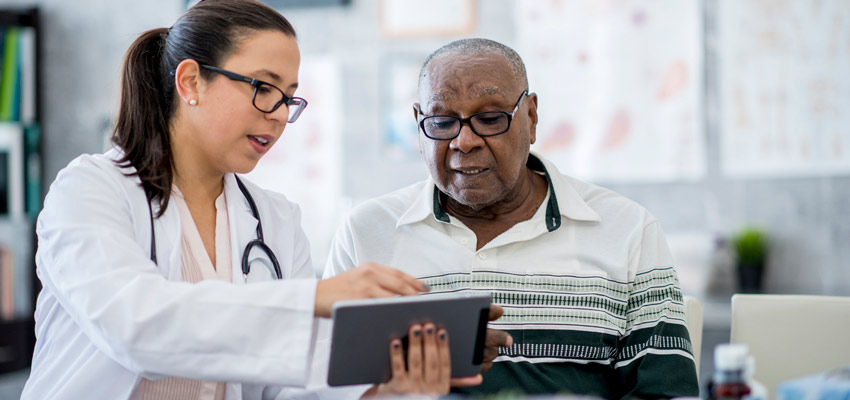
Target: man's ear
[416, 112]
[532, 116]
[419, 134]
[187, 81]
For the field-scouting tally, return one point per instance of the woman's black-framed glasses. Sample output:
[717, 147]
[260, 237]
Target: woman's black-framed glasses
[487, 123]
[267, 97]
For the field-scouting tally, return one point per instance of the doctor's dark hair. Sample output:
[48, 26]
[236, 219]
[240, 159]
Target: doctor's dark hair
[208, 32]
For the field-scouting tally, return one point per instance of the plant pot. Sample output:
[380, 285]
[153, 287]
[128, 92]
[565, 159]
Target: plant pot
[750, 277]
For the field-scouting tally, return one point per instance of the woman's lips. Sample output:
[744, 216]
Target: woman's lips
[261, 143]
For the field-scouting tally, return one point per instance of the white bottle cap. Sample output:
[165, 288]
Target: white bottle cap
[751, 366]
[730, 356]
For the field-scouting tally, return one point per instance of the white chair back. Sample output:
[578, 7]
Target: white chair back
[791, 336]
[693, 319]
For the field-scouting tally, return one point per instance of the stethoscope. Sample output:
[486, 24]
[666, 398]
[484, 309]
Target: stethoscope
[258, 242]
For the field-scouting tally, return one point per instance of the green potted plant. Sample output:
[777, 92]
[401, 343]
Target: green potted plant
[751, 247]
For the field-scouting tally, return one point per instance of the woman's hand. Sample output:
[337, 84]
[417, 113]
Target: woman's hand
[428, 369]
[366, 281]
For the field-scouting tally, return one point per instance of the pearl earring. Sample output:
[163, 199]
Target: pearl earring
[193, 102]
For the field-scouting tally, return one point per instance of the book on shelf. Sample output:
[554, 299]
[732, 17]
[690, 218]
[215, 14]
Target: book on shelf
[7, 284]
[20, 171]
[17, 74]
[9, 86]
[27, 72]
[11, 170]
[32, 170]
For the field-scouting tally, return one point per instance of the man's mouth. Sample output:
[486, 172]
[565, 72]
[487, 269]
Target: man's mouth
[470, 171]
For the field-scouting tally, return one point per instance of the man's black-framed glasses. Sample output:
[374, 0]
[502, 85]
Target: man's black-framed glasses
[487, 123]
[267, 97]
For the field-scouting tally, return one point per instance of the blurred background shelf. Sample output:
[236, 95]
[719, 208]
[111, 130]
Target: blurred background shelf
[21, 176]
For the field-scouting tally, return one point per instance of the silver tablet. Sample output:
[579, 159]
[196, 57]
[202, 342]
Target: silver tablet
[362, 331]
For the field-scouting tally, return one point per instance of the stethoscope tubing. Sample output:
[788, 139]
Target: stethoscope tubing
[258, 242]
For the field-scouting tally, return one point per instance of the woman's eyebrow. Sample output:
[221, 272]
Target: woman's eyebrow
[273, 77]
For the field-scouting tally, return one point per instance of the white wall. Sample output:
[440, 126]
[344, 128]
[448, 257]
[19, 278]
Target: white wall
[84, 40]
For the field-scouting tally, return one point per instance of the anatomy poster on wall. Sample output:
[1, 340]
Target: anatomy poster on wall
[785, 92]
[399, 91]
[619, 85]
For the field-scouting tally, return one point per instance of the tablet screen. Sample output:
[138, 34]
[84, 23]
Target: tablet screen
[362, 330]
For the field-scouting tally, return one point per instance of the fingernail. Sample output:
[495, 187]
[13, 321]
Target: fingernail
[396, 345]
[416, 333]
[426, 287]
[443, 336]
[429, 331]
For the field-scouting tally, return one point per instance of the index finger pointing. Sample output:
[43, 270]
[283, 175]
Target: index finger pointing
[404, 283]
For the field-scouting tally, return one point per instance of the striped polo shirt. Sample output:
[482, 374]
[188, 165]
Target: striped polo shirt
[588, 285]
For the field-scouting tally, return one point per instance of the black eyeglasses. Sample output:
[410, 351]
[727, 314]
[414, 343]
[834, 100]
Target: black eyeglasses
[487, 123]
[267, 97]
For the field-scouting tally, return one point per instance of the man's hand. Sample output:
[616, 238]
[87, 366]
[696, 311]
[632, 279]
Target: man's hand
[495, 339]
[366, 281]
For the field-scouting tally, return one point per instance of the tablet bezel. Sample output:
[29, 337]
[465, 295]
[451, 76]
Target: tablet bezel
[362, 330]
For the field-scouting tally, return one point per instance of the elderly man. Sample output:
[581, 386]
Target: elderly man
[584, 275]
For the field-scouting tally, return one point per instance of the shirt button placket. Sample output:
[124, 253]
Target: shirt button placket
[481, 260]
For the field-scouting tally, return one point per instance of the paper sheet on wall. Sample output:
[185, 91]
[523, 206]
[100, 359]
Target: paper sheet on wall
[399, 85]
[785, 87]
[619, 85]
[305, 164]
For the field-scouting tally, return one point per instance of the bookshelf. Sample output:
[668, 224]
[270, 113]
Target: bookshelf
[20, 182]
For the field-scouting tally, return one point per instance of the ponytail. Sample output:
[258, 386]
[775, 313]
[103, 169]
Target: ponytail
[208, 33]
[144, 111]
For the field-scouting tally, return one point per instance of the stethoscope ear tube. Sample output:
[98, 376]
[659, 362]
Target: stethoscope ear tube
[153, 237]
[260, 241]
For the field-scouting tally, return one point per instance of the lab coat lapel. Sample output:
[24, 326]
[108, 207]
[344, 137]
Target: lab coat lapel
[169, 223]
[243, 225]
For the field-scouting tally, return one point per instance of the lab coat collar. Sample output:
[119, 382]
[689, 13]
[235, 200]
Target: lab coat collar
[243, 225]
[167, 227]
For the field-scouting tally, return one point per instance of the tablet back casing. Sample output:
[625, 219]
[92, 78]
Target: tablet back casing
[362, 331]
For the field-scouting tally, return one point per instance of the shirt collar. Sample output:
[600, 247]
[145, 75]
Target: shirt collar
[564, 200]
[567, 201]
[427, 203]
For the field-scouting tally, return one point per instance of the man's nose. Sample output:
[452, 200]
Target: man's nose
[466, 139]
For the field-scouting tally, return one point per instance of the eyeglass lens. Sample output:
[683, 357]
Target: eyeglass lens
[268, 98]
[486, 123]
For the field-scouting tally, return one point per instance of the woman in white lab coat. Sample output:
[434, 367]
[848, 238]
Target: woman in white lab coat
[146, 292]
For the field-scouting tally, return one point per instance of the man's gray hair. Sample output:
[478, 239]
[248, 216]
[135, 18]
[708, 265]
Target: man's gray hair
[480, 46]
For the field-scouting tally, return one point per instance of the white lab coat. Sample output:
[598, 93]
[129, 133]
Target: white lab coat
[108, 316]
